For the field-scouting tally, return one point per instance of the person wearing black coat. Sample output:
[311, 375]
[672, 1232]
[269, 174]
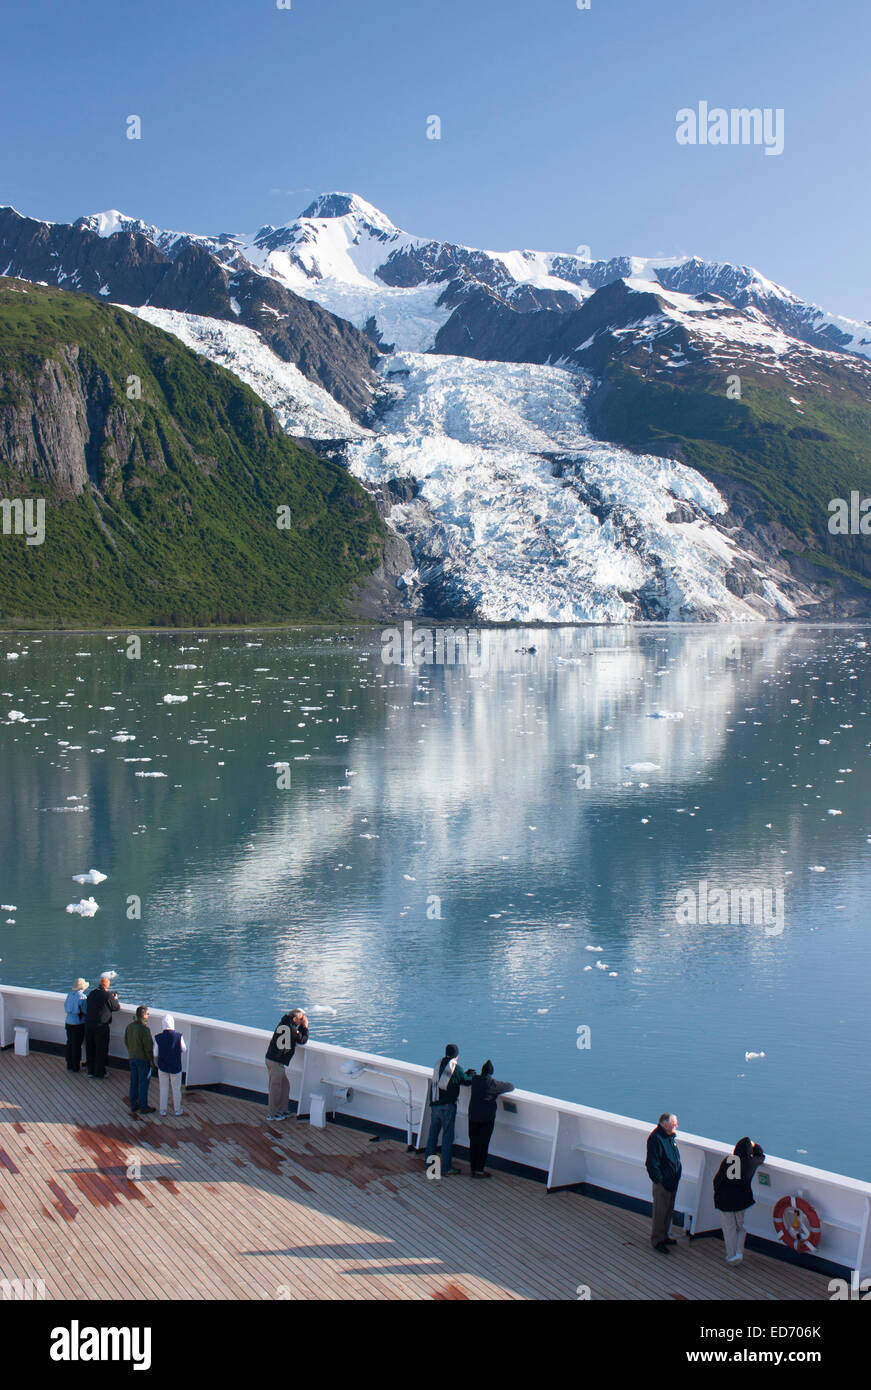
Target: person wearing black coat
[664, 1169]
[485, 1092]
[99, 1009]
[733, 1194]
[290, 1032]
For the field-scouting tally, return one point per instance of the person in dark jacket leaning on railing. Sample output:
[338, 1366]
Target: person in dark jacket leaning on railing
[664, 1170]
[483, 1095]
[292, 1031]
[732, 1194]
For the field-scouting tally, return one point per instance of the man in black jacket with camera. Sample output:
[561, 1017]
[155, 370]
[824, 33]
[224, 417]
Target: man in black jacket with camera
[291, 1031]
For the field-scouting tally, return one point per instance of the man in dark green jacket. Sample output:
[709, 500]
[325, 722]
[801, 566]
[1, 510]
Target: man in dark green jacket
[664, 1170]
[140, 1050]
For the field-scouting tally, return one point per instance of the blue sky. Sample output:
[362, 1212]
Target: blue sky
[558, 124]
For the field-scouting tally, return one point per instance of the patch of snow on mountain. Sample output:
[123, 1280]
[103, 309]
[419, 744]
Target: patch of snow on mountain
[302, 407]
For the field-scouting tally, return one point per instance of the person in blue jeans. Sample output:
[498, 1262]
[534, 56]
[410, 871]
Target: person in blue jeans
[139, 1044]
[447, 1078]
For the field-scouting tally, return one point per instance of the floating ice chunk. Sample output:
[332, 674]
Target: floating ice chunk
[150, 774]
[588, 967]
[323, 1009]
[834, 813]
[410, 878]
[592, 948]
[8, 907]
[109, 974]
[85, 907]
[666, 714]
[751, 1056]
[123, 738]
[12, 656]
[817, 868]
[542, 1011]
[175, 699]
[92, 876]
[10, 921]
[643, 767]
[16, 714]
[823, 740]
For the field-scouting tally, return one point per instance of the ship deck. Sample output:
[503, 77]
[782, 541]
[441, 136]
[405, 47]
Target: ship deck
[222, 1204]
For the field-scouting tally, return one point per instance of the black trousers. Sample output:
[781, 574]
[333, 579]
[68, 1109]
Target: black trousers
[75, 1038]
[97, 1048]
[480, 1132]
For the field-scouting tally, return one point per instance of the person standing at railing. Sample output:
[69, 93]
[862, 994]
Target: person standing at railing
[447, 1078]
[169, 1049]
[74, 1011]
[484, 1094]
[664, 1170]
[732, 1194]
[139, 1044]
[291, 1031]
[98, 1020]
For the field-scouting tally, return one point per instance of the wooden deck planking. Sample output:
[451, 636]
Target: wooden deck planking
[231, 1206]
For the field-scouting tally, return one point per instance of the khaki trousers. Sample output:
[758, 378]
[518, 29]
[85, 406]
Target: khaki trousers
[663, 1210]
[732, 1223]
[279, 1088]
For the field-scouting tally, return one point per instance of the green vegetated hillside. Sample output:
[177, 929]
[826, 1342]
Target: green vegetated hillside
[162, 509]
[796, 462]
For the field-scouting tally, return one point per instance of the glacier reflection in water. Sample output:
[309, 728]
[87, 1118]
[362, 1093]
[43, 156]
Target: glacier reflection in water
[491, 857]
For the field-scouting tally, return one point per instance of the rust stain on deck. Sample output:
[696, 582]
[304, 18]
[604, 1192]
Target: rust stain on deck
[67, 1209]
[360, 1169]
[99, 1191]
[451, 1291]
[18, 1127]
[170, 1186]
[113, 1141]
[7, 1161]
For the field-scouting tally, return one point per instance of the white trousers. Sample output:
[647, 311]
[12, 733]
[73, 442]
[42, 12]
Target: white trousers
[164, 1078]
[732, 1223]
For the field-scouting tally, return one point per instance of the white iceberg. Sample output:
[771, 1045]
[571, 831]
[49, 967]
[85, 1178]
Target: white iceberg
[92, 876]
[85, 907]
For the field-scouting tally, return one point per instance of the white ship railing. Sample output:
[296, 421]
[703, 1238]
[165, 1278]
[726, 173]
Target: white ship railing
[566, 1143]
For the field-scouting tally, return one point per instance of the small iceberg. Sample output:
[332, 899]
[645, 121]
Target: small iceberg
[643, 767]
[92, 876]
[752, 1056]
[16, 714]
[323, 1009]
[175, 699]
[85, 907]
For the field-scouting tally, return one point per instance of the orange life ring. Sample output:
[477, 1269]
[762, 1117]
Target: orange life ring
[797, 1224]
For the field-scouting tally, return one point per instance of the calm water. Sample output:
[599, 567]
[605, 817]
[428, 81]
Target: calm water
[449, 790]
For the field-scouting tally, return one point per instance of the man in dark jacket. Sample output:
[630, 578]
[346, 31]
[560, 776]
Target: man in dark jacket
[292, 1030]
[664, 1170]
[485, 1092]
[98, 1019]
[447, 1078]
[732, 1194]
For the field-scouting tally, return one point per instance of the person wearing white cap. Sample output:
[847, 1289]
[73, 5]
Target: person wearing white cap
[74, 1009]
[169, 1047]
